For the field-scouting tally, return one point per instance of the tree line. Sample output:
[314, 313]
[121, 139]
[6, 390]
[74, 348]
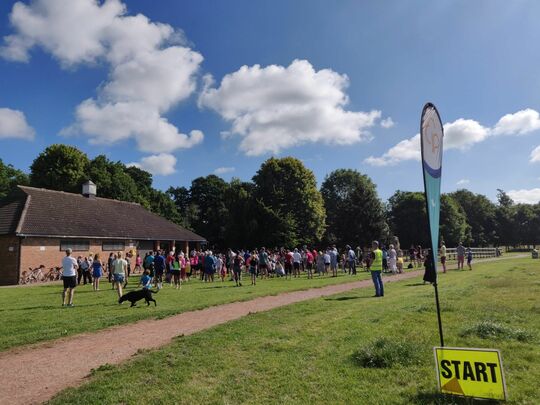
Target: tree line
[282, 206]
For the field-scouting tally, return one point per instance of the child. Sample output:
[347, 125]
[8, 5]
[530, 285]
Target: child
[253, 262]
[145, 280]
[469, 258]
[400, 261]
[175, 272]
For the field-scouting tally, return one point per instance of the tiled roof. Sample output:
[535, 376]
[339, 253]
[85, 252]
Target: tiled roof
[56, 213]
[10, 211]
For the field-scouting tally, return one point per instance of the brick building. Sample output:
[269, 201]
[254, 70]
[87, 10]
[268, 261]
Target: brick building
[38, 225]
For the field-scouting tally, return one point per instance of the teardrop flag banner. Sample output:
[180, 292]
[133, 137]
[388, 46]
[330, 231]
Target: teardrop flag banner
[431, 138]
[431, 145]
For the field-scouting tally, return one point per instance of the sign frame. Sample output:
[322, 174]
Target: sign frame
[472, 349]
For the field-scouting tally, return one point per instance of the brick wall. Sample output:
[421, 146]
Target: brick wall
[9, 260]
[46, 251]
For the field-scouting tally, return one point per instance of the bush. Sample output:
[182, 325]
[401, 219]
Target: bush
[385, 353]
[494, 330]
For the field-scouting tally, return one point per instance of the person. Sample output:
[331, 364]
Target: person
[309, 264]
[86, 275]
[419, 256]
[183, 263]
[321, 265]
[351, 261]
[289, 260]
[297, 259]
[159, 267]
[469, 258]
[146, 280]
[376, 269]
[253, 263]
[280, 271]
[119, 273]
[412, 256]
[138, 264]
[222, 266]
[209, 267]
[263, 262]
[460, 251]
[79, 269]
[327, 261]
[443, 257]
[392, 259]
[97, 272]
[69, 277]
[110, 262]
[384, 259]
[148, 263]
[175, 272]
[169, 262]
[333, 260]
[400, 261]
[237, 269]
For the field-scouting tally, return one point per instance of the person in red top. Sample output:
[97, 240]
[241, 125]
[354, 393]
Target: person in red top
[309, 264]
[169, 266]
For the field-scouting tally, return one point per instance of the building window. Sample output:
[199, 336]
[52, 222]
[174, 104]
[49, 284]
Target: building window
[113, 245]
[75, 245]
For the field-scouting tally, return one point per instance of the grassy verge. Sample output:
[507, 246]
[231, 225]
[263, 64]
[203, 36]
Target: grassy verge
[326, 351]
[33, 314]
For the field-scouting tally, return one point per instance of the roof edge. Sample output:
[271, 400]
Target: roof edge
[34, 235]
[23, 213]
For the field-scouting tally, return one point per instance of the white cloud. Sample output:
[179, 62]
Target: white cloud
[224, 170]
[519, 123]
[535, 155]
[150, 72]
[531, 196]
[387, 122]
[463, 182]
[408, 149]
[162, 164]
[13, 125]
[462, 134]
[275, 107]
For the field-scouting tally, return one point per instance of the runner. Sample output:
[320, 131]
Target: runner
[69, 277]
[119, 273]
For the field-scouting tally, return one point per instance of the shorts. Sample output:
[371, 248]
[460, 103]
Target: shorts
[158, 272]
[118, 278]
[252, 270]
[263, 266]
[443, 259]
[69, 281]
[296, 265]
[175, 272]
[469, 260]
[288, 268]
[309, 266]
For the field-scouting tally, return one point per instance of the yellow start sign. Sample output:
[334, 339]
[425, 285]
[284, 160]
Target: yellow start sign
[470, 372]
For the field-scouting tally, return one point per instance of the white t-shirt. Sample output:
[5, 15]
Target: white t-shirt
[297, 258]
[69, 265]
[119, 265]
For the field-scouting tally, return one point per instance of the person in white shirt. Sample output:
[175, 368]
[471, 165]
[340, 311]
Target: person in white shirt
[297, 259]
[119, 273]
[69, 277]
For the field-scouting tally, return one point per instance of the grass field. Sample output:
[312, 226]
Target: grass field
[309, 352]
[33, 314]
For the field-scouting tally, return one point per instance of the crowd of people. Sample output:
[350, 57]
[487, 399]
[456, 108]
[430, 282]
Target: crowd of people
[159, 267]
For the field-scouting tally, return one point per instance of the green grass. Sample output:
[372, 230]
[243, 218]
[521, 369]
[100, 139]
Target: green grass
[34, 314]
[313, 352]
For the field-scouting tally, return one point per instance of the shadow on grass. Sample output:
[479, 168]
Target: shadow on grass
[415, 284]
[436, 398]
[344, 298]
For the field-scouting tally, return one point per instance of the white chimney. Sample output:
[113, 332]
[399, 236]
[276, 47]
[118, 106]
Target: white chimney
[89, 189]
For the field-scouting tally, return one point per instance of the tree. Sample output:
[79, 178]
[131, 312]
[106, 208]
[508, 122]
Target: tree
[504, 215]
[289, 189]
[527, 224]
[207, 194]
[481, 216]
[10, 178]
[114, 182]
[453, 222]
[186, 209]
[60, 167]
[406, 211]
[354, 213]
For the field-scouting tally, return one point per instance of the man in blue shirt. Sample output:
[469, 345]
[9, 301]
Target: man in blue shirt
[159, 267]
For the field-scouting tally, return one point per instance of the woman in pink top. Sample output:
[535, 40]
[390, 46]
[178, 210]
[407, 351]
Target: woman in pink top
[138, 264]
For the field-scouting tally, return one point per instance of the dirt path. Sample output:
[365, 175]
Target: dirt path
[34, 374]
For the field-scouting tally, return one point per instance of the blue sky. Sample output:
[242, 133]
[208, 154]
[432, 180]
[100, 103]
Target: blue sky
[148, 89]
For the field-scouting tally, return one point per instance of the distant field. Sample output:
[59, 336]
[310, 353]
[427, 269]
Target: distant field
[305, 353]
[33, 314]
